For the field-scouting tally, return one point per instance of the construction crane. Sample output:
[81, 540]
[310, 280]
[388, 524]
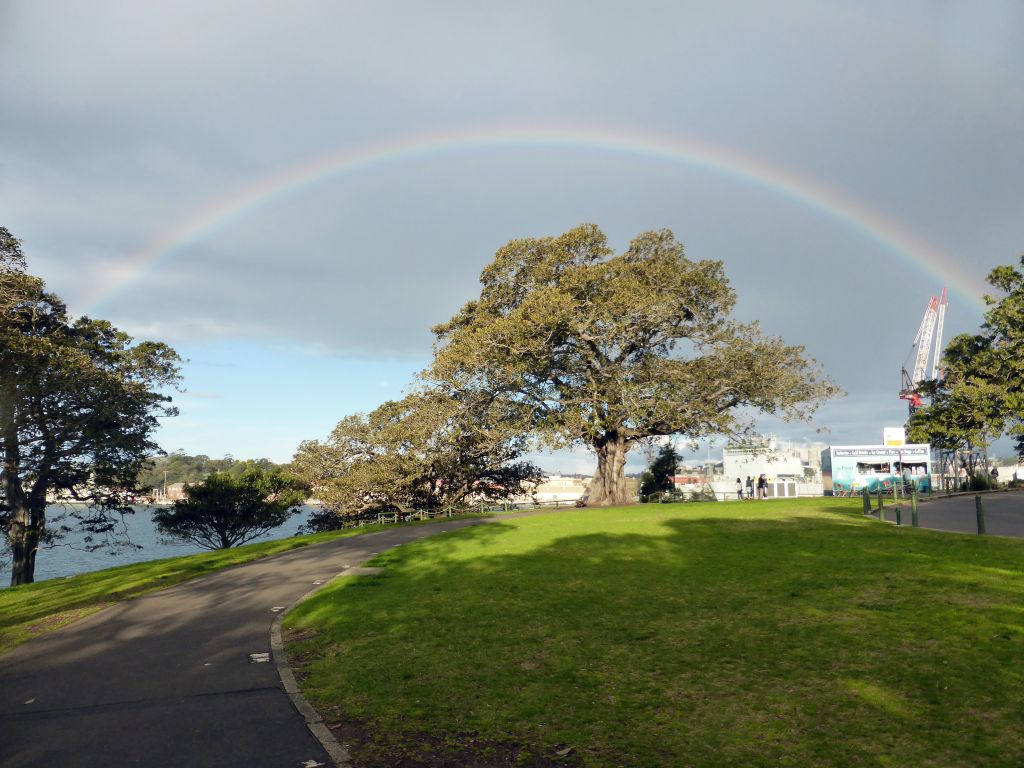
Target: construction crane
[921, 349]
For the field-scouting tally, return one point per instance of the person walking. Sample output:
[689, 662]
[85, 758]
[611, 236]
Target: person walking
[750, 487]
[739, 489]
[762, 487]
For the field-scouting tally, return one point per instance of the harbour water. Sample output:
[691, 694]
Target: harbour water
[70, 557]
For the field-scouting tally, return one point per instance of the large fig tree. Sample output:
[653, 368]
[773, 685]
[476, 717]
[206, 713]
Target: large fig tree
[606, 350]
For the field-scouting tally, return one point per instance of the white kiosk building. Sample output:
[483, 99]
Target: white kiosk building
[848, 469]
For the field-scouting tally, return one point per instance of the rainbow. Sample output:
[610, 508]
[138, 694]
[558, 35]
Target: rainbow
[221, 213]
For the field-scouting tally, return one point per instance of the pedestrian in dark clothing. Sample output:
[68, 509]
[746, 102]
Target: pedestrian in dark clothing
[750, 487]
[762, 487]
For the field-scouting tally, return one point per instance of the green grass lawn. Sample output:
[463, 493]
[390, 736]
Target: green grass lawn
[31, 609]
[740, 633]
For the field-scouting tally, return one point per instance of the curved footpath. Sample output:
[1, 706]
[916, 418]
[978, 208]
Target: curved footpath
[167, 679]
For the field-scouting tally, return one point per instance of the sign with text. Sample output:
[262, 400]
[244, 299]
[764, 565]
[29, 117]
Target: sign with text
[856, 467]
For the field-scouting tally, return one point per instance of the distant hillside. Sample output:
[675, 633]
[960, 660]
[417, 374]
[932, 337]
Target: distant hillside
[180, 468]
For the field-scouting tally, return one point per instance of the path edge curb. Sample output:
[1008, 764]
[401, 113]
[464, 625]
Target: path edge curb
[337, 751]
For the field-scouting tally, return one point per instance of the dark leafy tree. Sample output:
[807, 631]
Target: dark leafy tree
[15, 284]
[225, 511]
[79, 401]
[658, 479]
[606, 351]
[981, 395]
[1002, 338]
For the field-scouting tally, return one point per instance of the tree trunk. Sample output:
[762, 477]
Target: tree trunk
[22, 528]
[24, 540]
[608, 488]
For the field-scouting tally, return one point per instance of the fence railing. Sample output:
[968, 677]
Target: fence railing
[482, 508]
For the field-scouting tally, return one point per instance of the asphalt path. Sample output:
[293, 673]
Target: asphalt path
[1003, 513]
[167, 679]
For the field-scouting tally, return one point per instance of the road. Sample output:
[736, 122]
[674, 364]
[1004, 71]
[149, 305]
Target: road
[1004, 513]
[167, 680]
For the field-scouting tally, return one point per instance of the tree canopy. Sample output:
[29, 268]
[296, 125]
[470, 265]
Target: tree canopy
[606, 350]
[15, 284]
[432, 449]
[226, 510]
[79, 401]
[981, 393]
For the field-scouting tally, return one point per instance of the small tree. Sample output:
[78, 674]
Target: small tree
[433, 448]
[226, 511]
[658, 479]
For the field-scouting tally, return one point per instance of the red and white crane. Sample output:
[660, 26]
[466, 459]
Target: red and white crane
[931, 328]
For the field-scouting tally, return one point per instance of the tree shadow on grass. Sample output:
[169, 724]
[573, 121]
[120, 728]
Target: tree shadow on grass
[700, 640]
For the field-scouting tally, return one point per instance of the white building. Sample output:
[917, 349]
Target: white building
[557, 488]
[787, 472]
[753, 461]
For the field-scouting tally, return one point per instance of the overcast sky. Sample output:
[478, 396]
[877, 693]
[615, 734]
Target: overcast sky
[291, 194]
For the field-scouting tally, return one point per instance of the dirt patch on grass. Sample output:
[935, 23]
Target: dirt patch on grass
[297, 654]
[62, 619]
[429, 750]
[298, 635]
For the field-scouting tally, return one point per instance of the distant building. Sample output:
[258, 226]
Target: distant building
[852, 468]
[557, 488]
[808, 452]
[761, 457]
[175, 492]
[787, 467]
[1010, 473]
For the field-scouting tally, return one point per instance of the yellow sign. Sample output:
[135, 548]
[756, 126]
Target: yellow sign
[894, 436]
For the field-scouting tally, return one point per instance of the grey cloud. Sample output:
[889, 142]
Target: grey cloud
[121, 120]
